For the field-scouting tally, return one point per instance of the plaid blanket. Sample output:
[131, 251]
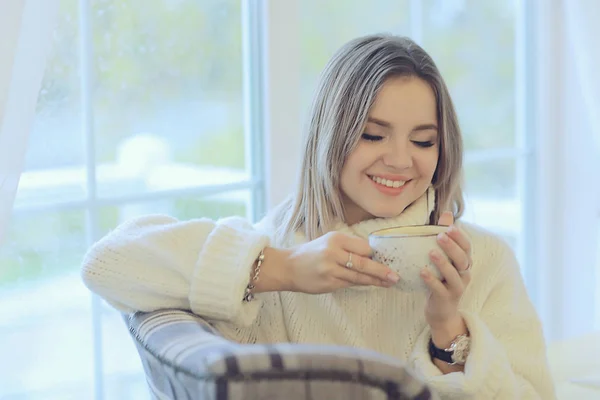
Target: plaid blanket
[184, 357]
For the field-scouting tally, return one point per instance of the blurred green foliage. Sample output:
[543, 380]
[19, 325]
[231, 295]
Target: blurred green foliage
[224, 149]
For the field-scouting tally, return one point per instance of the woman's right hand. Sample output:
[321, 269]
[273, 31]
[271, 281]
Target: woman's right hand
[319, 266]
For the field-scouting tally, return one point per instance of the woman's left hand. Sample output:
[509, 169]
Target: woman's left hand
[441, 311]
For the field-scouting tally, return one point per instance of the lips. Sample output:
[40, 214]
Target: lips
[388, 186]
[391, 183]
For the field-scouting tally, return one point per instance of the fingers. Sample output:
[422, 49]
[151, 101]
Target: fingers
[446, 219]
[458, 256]
[352, 244]
[434, 284]
[353, 278]
[450, 275]
[461, 239]
[364, 266]
[364, 271]
[450, 286]
[363, 278]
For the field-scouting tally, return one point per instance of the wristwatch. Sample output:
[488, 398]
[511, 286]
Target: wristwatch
[455, 354]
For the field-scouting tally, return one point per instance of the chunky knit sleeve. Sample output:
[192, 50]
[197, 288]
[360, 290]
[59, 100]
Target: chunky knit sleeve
[508, 354]
[156, 262]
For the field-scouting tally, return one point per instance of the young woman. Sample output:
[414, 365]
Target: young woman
[383, 148]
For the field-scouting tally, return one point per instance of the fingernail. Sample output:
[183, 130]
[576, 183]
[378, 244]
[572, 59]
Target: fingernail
[424, 273]
[393, 277]
[435, 255]
[442, 237]
[452, 228]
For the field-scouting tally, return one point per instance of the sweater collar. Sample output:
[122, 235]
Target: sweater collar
[416, 213]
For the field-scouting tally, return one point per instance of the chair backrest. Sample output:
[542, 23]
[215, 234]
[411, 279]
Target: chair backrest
[184, 357]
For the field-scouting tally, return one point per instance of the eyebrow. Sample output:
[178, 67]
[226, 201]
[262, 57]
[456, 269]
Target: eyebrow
[425, 127]
[379, 122]
[385, 124]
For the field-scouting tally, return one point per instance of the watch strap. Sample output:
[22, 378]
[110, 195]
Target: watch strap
[440, 354]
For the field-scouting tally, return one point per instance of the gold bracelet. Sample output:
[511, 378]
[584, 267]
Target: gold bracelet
[248, 294]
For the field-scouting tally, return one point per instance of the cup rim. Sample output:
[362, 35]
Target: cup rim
[381, 233]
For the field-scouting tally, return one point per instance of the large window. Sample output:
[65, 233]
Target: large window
[142, 110]
[154, 107]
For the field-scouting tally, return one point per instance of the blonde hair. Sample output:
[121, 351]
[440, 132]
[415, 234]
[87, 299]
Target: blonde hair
[346, 91]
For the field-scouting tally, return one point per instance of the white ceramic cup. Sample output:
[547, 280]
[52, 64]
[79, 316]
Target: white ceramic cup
[406, 250]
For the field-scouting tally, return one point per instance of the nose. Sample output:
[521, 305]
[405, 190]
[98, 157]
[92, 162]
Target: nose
[398, 155]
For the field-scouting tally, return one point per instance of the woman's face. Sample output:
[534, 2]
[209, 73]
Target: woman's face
[396, 157]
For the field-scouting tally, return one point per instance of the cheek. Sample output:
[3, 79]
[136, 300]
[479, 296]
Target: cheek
[357, 162]
[427, 164]
[347, 173]
[349, 178]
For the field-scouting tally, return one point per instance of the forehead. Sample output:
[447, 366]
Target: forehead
[405, 101]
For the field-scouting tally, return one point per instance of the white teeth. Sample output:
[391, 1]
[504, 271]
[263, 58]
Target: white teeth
[387, 182]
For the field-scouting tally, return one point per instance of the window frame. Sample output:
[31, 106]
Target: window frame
[252, 48]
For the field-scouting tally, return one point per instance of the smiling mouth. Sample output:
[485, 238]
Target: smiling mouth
[392, 184]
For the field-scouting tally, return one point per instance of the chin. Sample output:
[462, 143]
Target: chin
[385, 213]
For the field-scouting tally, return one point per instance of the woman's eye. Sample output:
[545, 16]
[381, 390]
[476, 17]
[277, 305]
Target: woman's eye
[371, 138]
[424, 144]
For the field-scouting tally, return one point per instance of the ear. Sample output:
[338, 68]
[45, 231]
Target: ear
[446, 219]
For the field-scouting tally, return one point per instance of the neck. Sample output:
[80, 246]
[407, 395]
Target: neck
[353, 214]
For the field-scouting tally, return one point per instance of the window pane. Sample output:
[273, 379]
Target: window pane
[492, 199]
[215, 206]
[54, 169]
[167, 98]
[473, 44]
[123, 371]
[45, 309]
[327, 25]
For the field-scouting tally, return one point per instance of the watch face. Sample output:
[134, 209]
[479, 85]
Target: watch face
[461, 348]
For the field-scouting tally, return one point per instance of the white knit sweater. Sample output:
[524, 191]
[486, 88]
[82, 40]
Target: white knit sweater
[158, 262]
